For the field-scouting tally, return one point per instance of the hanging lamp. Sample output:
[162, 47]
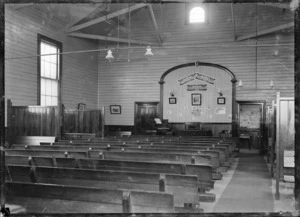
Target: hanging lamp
[148, 51]
[109, 55]
[240, 84]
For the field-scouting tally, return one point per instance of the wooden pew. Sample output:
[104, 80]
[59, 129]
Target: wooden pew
[52, 198]
[33, 140]
[219, 155]
[136, 156]
[183, 187]
[48, 153]
[203, 173]
[213, 154]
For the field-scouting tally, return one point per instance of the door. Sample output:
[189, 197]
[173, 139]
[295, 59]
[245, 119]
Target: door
[145, 112]
[251, 125]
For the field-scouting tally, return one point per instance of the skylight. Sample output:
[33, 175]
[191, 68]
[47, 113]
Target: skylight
[197, 15]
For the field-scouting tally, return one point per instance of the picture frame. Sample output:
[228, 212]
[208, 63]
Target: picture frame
[196, 99]
[81, 106]
[172, 100]
[221, 100]
[115, 109]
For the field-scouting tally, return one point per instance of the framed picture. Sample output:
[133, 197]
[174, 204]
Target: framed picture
[115, 109]
[172, 100]
[196, 99]
[81, 106]
[221, 100]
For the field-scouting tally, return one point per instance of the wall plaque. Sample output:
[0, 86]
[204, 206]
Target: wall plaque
[197, 87]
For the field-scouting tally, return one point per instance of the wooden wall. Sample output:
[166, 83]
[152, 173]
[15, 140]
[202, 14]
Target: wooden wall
[87, 121]
[208, 110]
[124, 83]
[79, 71]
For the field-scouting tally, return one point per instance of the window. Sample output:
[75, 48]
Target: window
[49, 71]
[197, 15]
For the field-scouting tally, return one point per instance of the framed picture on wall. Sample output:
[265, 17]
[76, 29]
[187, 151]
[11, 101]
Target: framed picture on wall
[172, 100]
[81, 106]
[196, 99]
[115, 109]
[221, 100]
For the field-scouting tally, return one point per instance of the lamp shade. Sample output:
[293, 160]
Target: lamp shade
[109, 55]
[148, 51]
[240, 84]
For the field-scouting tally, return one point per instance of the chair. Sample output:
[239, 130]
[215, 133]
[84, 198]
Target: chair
[162, 128]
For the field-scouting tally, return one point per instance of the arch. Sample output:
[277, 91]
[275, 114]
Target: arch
[197, 15]
[233, 81]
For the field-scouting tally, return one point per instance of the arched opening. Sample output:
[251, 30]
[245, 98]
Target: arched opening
[197, 15]
[199, 93]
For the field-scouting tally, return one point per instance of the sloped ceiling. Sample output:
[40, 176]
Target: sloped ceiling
[123, 25]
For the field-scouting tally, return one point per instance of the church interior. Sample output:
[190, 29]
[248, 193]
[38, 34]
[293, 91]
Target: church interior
[177, 107]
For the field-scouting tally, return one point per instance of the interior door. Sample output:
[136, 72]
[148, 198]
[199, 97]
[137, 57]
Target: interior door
[145, 112]
[251, 122]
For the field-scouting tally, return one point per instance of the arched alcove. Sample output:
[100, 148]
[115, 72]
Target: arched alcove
[199, 92]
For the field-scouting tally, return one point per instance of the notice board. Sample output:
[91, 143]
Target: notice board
[250, 116]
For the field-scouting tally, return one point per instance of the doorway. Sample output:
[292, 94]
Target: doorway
[145, 112]
[251, 116]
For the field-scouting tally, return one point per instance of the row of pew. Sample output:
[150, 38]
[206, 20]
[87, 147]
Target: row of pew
[117, 175]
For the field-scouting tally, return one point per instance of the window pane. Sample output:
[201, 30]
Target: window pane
[48, 87]
[54, 88]
[43, 100]
[48, 100]
[54, 101]
[53, 58]
[197, 15]
[43, 86]
[42, 68]
[47, 70]
[53, 71]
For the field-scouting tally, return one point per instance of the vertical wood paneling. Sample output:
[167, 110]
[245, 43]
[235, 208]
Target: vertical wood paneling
[33, 121]
[88, 121]
[126, 82]
[79, 73]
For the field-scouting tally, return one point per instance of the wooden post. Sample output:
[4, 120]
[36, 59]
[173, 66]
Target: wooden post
[277, 194]
[2, 117]
[102, 122]
[126, 202]
[234, 109]
[272, 120]
[297, 105]
[161, 103]
[162, 183]
[33, 176]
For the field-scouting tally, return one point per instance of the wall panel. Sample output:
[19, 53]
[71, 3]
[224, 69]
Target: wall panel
[79, 73]
[126, 82]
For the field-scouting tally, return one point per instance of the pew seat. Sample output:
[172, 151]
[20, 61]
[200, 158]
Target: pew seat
[53, 198]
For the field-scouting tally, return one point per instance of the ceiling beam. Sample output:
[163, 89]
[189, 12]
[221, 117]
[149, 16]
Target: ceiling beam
[81, 18]
[266, 31]
[107, 17]
[155, 24]
[108, 38]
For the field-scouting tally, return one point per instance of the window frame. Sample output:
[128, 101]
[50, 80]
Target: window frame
[190, 6]
[58, 44]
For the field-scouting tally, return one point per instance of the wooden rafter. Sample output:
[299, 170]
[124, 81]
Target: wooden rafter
[266, 31]
[155, 24]
[101, 19]
[108, 38]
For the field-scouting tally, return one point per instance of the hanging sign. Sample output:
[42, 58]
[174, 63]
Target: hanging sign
[197, 87]
[187, 79]
[205, 78]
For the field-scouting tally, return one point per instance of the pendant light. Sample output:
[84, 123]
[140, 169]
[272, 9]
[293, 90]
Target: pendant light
[109, 56]
[148, 51]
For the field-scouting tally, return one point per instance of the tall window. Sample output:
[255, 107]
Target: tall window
[49, 71]
[197, 15]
